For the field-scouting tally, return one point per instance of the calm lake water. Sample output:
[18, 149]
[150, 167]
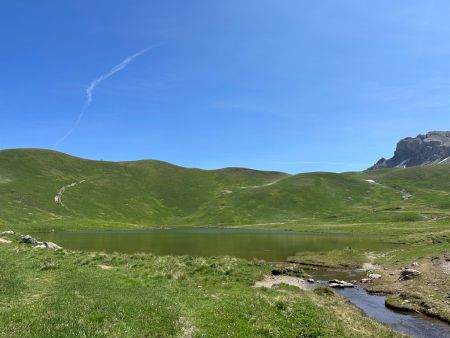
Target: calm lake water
[273, 246]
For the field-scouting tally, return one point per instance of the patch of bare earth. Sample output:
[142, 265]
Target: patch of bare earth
[270, 281]
[187, 328]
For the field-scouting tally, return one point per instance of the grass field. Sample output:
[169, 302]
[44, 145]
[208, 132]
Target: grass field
[73, 294]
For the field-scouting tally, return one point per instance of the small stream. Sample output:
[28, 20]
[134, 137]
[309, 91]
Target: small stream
[414, 325]
[409, 323]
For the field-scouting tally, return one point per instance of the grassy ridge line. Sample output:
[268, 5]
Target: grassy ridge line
[154, 193]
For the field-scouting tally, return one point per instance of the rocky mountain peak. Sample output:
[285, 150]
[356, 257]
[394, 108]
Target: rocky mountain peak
[430, 148]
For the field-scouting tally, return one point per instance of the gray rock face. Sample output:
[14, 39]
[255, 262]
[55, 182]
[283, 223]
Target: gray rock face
[27, 239]
[431, 148]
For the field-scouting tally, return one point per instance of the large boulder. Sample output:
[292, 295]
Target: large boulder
[27, 239]
[53, 246]
[431, 148]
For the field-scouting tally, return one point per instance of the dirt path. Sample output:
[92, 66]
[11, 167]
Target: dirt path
[270, 281]
[58, 197]
[262, 185]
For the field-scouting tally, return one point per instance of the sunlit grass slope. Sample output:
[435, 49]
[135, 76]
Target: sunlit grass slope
[154, 193]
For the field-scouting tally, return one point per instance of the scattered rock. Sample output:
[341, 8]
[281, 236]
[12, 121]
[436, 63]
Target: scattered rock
[364, 280]
[27, 239]
[407, 274]
[5, 241]
[105, 267]
[310, 280]
[406, 195]
[7, 232]
[374, 276]
[40, 246]
[415, 264]
[52, 246]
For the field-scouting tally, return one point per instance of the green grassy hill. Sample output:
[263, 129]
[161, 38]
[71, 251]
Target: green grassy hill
[154, 193]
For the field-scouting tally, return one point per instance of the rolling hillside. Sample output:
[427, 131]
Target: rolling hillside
[152, 193]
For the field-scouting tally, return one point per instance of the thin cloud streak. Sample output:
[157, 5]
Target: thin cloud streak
[90, 89]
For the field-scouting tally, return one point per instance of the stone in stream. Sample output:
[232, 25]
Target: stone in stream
[340, 284]
[407, 274]
[310, 280]
[364, 280]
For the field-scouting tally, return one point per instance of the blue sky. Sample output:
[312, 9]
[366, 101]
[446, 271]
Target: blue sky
[282, 85]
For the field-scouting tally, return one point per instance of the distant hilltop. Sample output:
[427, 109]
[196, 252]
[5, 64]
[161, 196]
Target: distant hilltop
[431, 148]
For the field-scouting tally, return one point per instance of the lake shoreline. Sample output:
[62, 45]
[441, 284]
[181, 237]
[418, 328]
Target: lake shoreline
[379, 286]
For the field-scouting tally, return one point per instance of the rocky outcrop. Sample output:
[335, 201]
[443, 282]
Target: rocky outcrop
[431, 148]
[27, 239]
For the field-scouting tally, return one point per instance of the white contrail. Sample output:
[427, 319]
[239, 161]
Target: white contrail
[94, 84]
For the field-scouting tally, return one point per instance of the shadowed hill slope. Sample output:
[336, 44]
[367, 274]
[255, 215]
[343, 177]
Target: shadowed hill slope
[155, 193]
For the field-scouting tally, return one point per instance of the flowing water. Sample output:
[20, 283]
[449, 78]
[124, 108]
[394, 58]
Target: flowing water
[414, 325]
